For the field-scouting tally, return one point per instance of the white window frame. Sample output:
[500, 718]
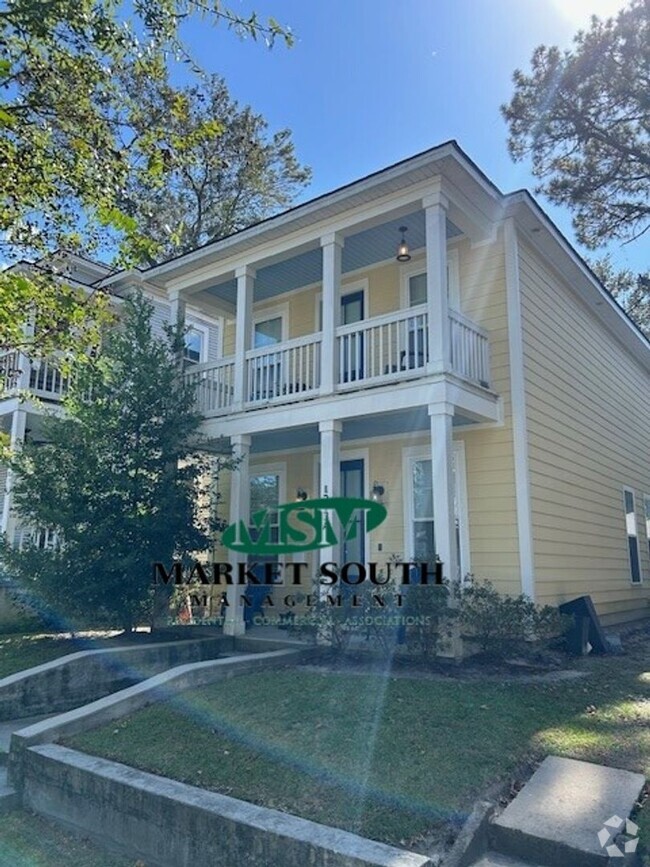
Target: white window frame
[279, 311]
[413, 269]
[646, 515]
[204, 331]
[410, 454]
[634, 583]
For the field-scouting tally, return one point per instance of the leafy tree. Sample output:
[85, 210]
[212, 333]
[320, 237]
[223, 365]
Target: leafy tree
[218, 170]
[68, 145]
[582, 115]
[119, 480]
[632, 291]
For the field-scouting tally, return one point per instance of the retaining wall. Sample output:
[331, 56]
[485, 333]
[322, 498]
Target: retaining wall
[171, 824]
[84, 676]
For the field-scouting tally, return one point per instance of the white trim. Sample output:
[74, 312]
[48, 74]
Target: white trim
[638, 583]
[204, 331]
[646, 522]
[423, 452]
[518, 400]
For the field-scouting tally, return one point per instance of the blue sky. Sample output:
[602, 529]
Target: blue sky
[370, 82]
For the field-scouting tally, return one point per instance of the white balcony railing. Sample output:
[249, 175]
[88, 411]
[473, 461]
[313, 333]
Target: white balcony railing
[374, 351]
[215, 384]
[43, 378]
[284, 371]
[469, 349]
[9, 370]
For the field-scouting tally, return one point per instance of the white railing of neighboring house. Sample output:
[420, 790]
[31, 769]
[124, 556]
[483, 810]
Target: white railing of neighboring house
[44, 538]
[284, 371]
[375, 349]
[42, 378]
[469, 349]
[10, 370]
[47, 381]
[215, 384]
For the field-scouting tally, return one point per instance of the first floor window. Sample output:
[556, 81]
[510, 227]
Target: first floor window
[646, 501]
[632, 536]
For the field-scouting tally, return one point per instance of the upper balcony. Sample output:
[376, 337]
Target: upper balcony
[373, 352]
[40, 379]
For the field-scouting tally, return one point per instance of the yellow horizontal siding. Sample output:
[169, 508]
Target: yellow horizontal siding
[589, 436]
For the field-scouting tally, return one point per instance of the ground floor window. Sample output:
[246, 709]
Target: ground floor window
[420, 520]
[632, 536]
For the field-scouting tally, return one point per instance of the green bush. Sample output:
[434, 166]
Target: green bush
[503, 625]
[429, 617]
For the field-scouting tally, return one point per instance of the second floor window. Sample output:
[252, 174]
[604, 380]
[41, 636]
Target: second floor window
[194, 346]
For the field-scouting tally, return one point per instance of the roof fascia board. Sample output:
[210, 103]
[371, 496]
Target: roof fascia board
[609, 312]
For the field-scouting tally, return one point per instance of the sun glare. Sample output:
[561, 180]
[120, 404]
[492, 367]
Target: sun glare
[578, 12]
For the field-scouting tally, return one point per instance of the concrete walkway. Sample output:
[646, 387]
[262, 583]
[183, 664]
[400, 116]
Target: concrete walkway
[567, 815]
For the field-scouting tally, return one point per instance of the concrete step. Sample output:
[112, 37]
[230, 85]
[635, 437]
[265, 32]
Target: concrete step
[495, 859]
[8, 797]
[555, 820]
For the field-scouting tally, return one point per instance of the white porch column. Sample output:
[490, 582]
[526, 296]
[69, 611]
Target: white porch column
[435, 215]
[330, 469]
[332, 246]
[9, 520]
[441, 416]
[177, 308]
[239, 510]
[243, 328]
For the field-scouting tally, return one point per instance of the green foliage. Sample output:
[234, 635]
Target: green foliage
[430, 618]
[632, 291]
[41, 314]
[210, 168]
[67, 144]
[119, 479]
[582, 116]
[502, 624]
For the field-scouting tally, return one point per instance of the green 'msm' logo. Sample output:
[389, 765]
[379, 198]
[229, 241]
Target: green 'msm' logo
[304, 526]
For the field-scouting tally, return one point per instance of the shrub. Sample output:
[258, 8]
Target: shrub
[502, 624]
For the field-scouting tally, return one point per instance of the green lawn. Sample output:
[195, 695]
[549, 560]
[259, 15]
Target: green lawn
[30, 841]
[23, 651]
[386, 757]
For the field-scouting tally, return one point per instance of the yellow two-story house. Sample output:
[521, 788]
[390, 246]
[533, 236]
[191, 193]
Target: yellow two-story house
[421, 338]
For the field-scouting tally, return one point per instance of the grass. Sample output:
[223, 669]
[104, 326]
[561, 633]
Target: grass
[390, 758]
[21, 651]
[27, 840]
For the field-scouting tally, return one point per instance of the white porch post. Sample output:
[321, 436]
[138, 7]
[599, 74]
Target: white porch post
[239, 510]
[243, 327]
[441, 416]
[435, 215]
[177, 308]
[330, 469]
[332, 246]
[9, 521]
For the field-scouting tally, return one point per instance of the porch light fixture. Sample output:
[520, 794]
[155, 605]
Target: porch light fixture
[378, 489]
[301, 495]
[403, 254]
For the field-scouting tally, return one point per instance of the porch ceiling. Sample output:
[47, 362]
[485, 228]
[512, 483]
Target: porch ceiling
[413, 421]
[376, 244]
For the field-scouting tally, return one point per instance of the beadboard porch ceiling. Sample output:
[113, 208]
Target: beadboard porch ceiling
[376, 244]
